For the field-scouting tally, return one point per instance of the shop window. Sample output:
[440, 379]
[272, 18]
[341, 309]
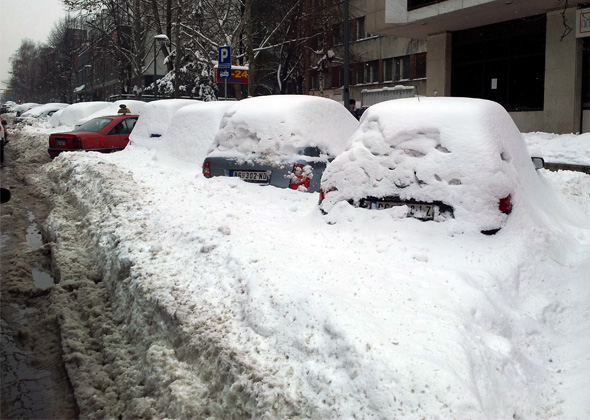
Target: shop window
[503, 62]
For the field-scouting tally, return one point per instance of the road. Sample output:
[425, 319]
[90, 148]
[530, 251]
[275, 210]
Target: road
[34, 382]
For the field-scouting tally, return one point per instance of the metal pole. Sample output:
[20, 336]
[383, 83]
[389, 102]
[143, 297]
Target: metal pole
[226, 89]
[345, 43]
[155, 71]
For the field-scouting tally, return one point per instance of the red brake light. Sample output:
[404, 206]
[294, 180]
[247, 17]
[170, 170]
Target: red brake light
[76, 143]
[505, 204]
[300, 176]
[324, 192]
[207, 169]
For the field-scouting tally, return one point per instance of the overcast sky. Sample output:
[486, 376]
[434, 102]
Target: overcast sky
[21, 19]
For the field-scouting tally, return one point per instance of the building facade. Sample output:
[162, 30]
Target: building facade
[530, 56]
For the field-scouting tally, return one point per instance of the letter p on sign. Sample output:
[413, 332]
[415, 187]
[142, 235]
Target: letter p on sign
[224, 57]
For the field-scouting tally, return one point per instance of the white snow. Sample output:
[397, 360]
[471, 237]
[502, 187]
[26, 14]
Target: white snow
[463, 152]
[281, 125]
[242, 299]
[44, 110]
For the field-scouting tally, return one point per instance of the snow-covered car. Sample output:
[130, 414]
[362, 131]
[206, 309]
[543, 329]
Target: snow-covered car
[41, 111]
[280, 140]
[103, 134]
[21, 108]
[432, 159]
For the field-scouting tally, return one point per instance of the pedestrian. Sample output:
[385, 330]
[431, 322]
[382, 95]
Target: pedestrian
[3, 139]
[352, 108]
[123, 109]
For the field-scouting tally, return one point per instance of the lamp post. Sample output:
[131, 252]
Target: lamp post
[88, 68]
[160, 39]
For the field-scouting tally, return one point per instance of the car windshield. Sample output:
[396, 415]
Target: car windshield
[95, 125]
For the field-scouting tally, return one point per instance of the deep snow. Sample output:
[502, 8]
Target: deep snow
[241, 301]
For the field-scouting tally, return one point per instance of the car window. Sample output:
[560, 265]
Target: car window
[312, 151]
[124, 127]
[94, 125]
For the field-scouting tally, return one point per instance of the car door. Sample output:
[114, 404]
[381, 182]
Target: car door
[118, 136]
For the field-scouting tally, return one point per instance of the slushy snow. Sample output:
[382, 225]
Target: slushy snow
[237, 300]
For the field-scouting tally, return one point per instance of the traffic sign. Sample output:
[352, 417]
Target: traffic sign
[237, 75]
[224, 58]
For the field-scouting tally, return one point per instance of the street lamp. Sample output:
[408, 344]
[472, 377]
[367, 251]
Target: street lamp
[160, 39]
[87, 69]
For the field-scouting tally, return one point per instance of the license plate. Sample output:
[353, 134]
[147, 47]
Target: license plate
[252, 176]
[418, 211]
[60, 142]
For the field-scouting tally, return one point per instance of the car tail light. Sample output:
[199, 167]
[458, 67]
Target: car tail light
[207, 169]
[76, 143]
[300, 176]
[505, 204]
[323, 193]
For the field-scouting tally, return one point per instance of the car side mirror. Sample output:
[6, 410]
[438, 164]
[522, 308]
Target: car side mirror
[539, 162]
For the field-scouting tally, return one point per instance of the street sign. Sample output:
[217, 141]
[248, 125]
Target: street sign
[235, 75]
[224, 63]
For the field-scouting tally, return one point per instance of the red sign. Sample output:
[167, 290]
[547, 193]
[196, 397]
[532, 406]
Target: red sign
[237, 76]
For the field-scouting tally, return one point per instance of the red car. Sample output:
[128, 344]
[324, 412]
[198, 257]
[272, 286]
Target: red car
[102, 134]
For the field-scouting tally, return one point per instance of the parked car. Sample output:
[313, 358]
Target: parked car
[41, 111]
[102, 134]
[21, 108]
[280, 140]
[433, 159]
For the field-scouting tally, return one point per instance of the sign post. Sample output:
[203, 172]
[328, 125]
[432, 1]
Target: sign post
[224, 65]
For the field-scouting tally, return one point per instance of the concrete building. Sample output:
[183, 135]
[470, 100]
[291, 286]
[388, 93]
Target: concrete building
[531, 56]
[376, 61]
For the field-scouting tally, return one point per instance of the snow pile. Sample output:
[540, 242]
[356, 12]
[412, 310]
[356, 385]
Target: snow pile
[569, 148]
[283, 125]
[231, 300]
[155, 119]
[465, 153]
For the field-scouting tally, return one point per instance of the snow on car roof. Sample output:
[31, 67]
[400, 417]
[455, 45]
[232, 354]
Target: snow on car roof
[282, 124]
[70, 115]
[467, 153]
[44, 109]
[135, 107]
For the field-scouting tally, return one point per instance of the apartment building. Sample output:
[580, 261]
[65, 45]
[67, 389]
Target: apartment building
[531, 56]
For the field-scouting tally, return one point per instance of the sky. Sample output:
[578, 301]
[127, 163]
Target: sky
[22, 19]
[239, 300]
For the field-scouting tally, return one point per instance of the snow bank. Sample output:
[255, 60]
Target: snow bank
[231, 300]
[566, 148]
[270, 126]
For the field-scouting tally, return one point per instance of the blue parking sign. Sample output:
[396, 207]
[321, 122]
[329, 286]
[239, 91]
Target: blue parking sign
[224, 58]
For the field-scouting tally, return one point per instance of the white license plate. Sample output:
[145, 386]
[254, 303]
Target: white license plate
[419, 211]
[253, 176]
[60, 142]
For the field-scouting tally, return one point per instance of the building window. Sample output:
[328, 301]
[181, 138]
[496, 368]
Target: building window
[315, 81]
[503, 62]
[360, 32]
[372, 72]
[416, 4]
[336, 77]
[401, 68]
